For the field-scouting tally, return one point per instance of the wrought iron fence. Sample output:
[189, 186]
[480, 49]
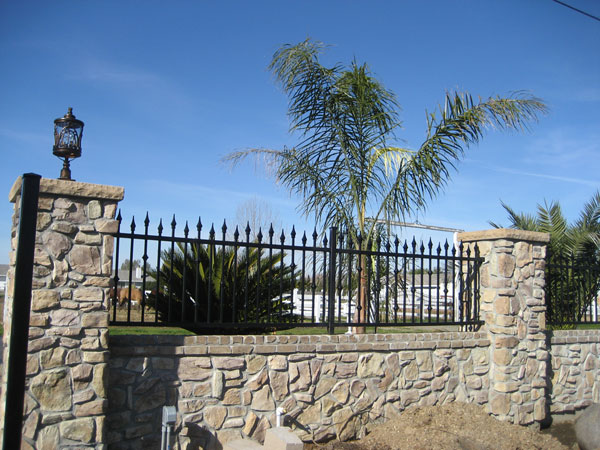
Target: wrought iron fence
[239, 281]
[572, 289]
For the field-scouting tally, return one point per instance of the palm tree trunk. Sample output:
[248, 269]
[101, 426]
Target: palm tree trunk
[360, 314]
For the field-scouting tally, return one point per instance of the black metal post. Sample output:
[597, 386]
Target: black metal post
[21, 305]
[331, 287]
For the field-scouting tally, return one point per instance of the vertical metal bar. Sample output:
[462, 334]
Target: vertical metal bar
[236, 237]
[429, 273]
[461, 290]
[223, 276]
[446, 281]
[369, 269]
[314, 274]
[186, 232]
[211, 260]
[258, 275]
[247, 270]
[468, 283]
[303, 287]
[396, 281]
[331, 293]
[405, 282]
[158, 269]
[476, 283]
[349, 288]
[324, 299]
[145, 265]
[438, 278]
[21, 308]
[198, 249]
[270, 275]
[130, 281]
[293, 286]
[414, 277]
[281, 258]
[340, 281]
[422, 268]
[387, 280]
[115, 291]
[171, 269]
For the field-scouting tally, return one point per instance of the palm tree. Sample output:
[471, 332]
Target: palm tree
[573, 259]
[205, 284]
[347, 167]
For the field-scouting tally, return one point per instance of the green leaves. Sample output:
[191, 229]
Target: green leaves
[573, 269]
[201, 284]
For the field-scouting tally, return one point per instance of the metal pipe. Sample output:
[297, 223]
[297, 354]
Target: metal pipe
[21, 305]
[415, 225]
[279, 412]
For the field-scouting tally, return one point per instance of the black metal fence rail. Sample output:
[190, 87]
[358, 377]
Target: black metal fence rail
[572, 289]
[238, 280]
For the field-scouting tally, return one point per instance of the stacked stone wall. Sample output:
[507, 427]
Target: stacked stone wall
[514, 311]
[575, 373]
[227, 387]
[66, 399]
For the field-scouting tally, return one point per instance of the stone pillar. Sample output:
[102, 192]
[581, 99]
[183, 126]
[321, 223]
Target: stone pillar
[66, 398]
[514, 311]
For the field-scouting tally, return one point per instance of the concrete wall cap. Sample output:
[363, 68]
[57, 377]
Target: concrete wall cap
[504, 233]
[71, 189]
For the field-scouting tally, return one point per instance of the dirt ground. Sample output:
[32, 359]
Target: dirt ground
[454, 426]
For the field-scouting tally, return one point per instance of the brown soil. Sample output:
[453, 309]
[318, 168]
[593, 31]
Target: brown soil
[455, 426]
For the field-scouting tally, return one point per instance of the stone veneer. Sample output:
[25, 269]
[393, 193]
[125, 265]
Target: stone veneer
[66, 398]
[513, 309]
[575, 372]
[227, 387]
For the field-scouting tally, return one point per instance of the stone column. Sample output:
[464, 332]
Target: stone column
[514, 311]
[66, 398]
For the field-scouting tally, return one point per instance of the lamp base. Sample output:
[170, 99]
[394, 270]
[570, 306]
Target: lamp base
[65, 173]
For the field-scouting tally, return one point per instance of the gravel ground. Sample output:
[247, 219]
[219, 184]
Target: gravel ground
[455, 426]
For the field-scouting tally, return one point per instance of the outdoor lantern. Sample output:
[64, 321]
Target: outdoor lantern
[67, 141]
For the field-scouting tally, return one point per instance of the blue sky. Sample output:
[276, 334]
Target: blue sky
[166, 90]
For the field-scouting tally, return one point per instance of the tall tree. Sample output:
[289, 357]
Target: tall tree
[347, 166]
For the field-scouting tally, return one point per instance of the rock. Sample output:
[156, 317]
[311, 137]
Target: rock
[52, 390]
[279, 384]
[263, 400]
[370, 365]
[218, 382]
[48, 438]
[255, 363]
[57, 244]
[251, 422]
[44, 299]
[587, 426]
[346, 424]
[85, 259]
[215, 416]
[81, 430]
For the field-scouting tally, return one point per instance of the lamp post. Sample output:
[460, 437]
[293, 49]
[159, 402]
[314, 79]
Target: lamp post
[67, 141]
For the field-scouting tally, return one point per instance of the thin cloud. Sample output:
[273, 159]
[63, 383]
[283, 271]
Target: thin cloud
[592, 183]
[141, 86]
[563, 148]
[107, 72]
[186, 190]
[24, 137]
